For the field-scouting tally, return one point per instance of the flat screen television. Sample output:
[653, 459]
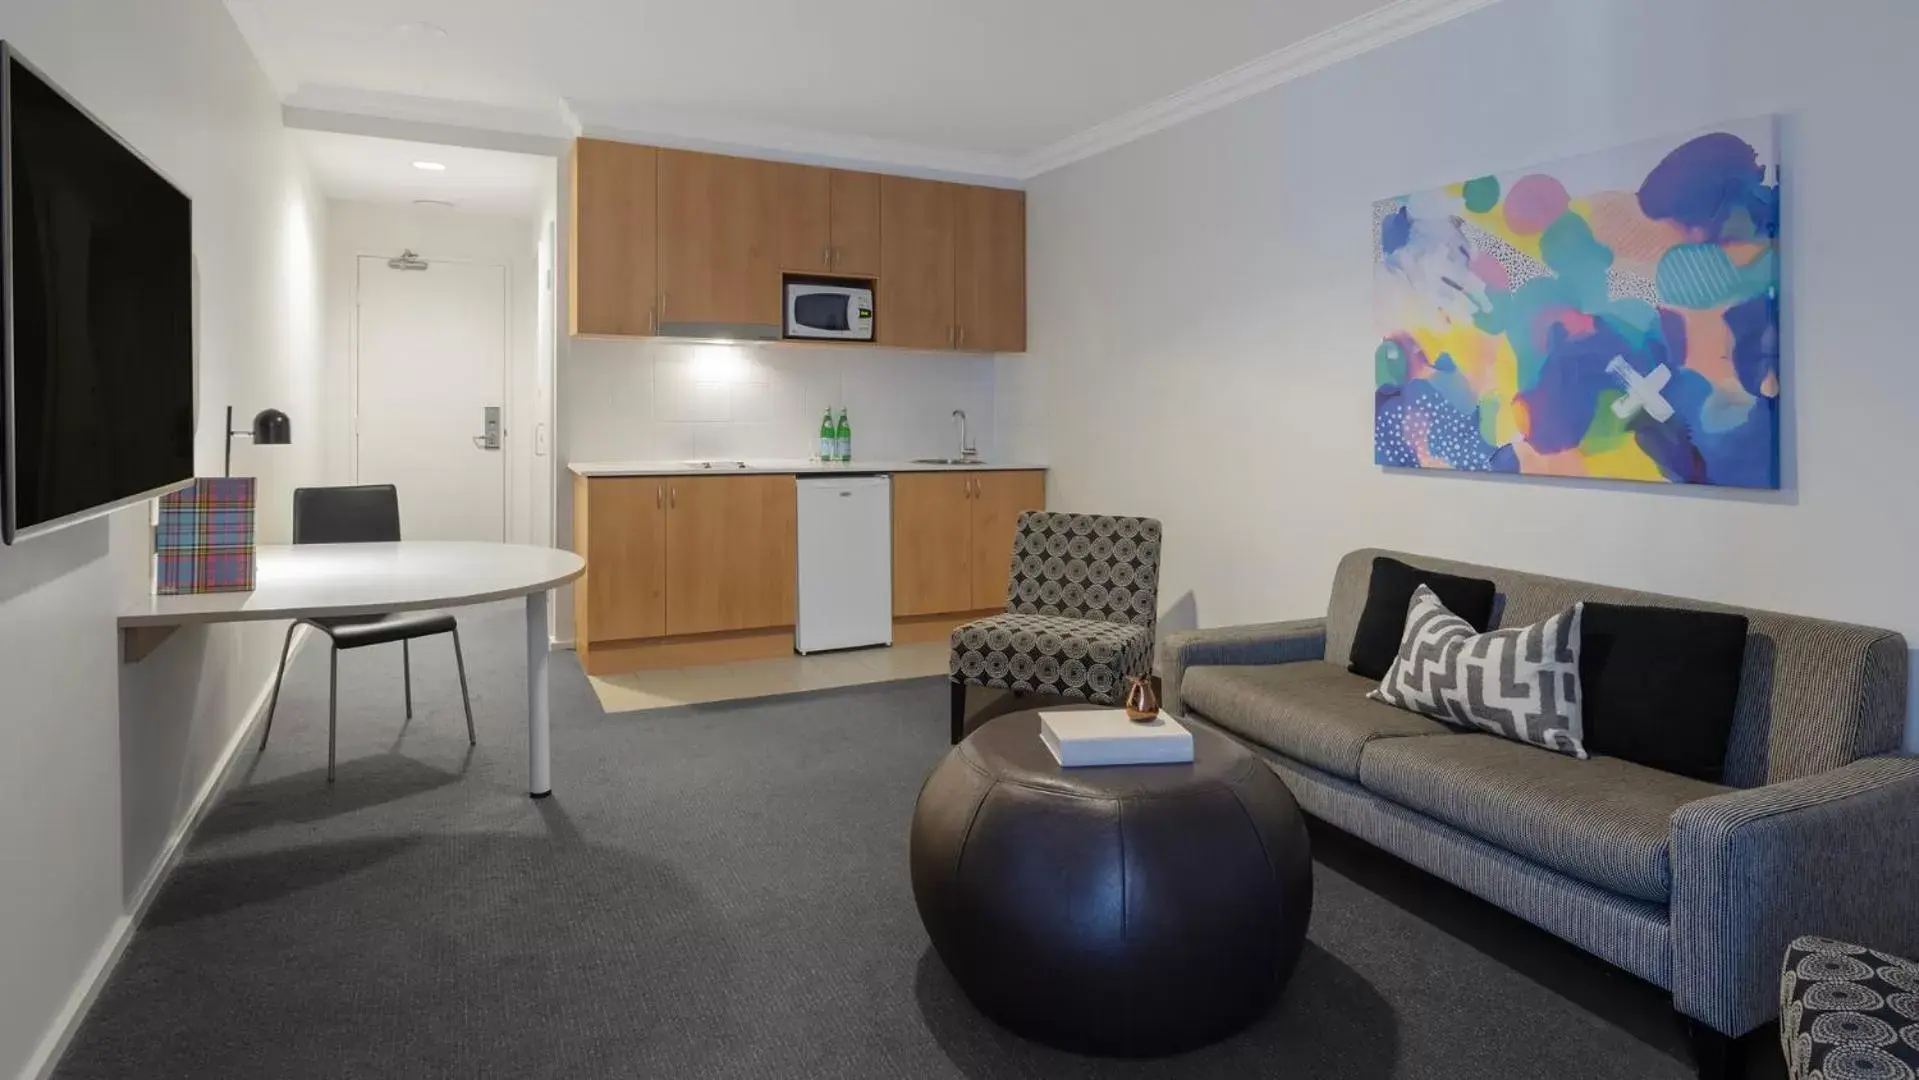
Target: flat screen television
[96, 279]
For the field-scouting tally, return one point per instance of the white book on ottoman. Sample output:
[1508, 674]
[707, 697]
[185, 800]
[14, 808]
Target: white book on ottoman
[1107, 737]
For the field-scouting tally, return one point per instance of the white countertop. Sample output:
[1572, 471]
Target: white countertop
[777, 465]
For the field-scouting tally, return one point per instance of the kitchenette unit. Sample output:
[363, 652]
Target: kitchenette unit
[691, 563]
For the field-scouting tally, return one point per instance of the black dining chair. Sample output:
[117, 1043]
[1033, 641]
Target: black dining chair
[360, 514]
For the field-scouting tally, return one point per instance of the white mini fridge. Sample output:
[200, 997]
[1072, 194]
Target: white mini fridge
[846, 562]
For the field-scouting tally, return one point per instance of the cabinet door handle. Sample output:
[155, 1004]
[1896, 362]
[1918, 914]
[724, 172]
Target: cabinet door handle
[662, 305]
[826, 256]
[652, 320]
[659, 496]
[673, 498]
[962, 334]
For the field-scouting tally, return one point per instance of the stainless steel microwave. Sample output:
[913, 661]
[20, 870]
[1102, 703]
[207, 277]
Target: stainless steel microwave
[829, 312]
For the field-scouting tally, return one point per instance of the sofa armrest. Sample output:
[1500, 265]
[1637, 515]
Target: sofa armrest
[1834, 854]
[1263, 643]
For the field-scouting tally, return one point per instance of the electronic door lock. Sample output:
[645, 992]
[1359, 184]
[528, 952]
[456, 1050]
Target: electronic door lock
[490, 440]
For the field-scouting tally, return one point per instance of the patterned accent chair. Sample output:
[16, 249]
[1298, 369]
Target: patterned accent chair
[1846, 1011]
[1081, 607]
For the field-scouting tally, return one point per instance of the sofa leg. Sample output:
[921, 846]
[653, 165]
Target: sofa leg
[1715, 1055]
[959, 710]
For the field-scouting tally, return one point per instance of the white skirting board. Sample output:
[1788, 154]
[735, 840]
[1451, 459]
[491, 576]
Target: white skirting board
[67, 1022]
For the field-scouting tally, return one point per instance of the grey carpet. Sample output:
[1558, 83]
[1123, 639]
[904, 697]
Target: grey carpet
[716, 891]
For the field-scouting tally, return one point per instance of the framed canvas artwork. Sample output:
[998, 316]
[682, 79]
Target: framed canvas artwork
[1614, 316]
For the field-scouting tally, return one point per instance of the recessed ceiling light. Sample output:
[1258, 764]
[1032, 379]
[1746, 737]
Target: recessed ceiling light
[439, 203]
[429, 166]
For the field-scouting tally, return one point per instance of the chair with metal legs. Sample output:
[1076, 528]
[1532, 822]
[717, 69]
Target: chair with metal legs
[362, 514]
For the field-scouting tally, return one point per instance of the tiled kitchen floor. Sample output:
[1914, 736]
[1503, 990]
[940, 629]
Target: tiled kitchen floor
[760, 678]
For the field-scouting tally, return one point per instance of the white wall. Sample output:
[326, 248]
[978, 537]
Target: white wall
[103, 763]
[1213, 281]
[355, 229]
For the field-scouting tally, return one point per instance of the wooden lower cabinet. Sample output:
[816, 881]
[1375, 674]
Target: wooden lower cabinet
[731, 553]
[999, 498]
[687, 570]
[619, 528]
[932, 543]
[953, 538]
[683, 569]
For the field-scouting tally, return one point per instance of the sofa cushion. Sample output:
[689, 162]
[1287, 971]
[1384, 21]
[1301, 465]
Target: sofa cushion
[1382, 625]
[1519, 683]
[1313, 712]
[1603, 820]
[1661, 685]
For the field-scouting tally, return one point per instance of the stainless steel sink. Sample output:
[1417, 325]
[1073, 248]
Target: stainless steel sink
[947, 461]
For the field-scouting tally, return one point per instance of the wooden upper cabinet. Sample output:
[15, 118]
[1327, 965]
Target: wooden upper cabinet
[674, 242]
[731, 553]
[806, 218]
[915, 298]
[932, 543]
[619, 528]
[856, 223]
[989, 273]
[719, 239]
[999, 498]
[829, 221]
[611, 279]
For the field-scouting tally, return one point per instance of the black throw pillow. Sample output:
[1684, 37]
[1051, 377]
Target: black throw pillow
[1661, 685]
[1383, 622]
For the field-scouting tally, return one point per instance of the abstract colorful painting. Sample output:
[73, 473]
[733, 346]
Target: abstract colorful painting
[1614, 315]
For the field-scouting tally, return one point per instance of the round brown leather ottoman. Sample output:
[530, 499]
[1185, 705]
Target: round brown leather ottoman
[1128, 911]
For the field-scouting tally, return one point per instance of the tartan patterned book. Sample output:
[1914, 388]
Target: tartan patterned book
[204, 540]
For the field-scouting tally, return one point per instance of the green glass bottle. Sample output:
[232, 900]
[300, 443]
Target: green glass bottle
[843, 438]
[829, 438]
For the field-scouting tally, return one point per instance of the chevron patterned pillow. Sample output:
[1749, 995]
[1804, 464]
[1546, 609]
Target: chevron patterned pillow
[1521, 683]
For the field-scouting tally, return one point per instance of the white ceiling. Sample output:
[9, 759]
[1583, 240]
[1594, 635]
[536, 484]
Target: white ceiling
[980, 84]
[381, 170]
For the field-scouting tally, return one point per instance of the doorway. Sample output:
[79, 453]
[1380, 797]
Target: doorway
[431, 339]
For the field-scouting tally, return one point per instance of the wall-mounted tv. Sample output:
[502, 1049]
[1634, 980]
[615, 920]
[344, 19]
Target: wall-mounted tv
[96, 279]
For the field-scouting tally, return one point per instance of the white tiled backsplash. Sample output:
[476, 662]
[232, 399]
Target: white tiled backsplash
[671, 401]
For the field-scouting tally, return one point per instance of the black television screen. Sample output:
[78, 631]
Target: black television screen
[98, 286]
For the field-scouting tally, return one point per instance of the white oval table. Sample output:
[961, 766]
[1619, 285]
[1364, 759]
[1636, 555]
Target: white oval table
[318, 580]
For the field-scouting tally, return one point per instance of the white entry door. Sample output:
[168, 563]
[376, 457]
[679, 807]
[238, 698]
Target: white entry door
[431, 362]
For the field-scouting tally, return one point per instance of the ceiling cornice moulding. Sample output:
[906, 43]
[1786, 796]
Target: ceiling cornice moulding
[685, 130]
[1343, 42]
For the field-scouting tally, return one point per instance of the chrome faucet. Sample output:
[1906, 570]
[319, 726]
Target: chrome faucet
[967, 449]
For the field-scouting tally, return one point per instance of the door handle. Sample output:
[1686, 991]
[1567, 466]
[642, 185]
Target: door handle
[659, 496]
[673, 498]
[826, 256]
[962, 335]
[489, 438]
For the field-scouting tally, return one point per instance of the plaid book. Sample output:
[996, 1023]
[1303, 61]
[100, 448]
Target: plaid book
[204, 540]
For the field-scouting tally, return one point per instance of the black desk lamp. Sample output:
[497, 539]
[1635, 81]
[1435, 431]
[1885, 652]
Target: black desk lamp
[270, 428]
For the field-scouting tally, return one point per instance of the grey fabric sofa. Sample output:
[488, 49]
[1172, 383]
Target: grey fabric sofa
[1693, 886]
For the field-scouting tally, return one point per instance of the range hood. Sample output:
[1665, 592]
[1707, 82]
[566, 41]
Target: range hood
[725, 332]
